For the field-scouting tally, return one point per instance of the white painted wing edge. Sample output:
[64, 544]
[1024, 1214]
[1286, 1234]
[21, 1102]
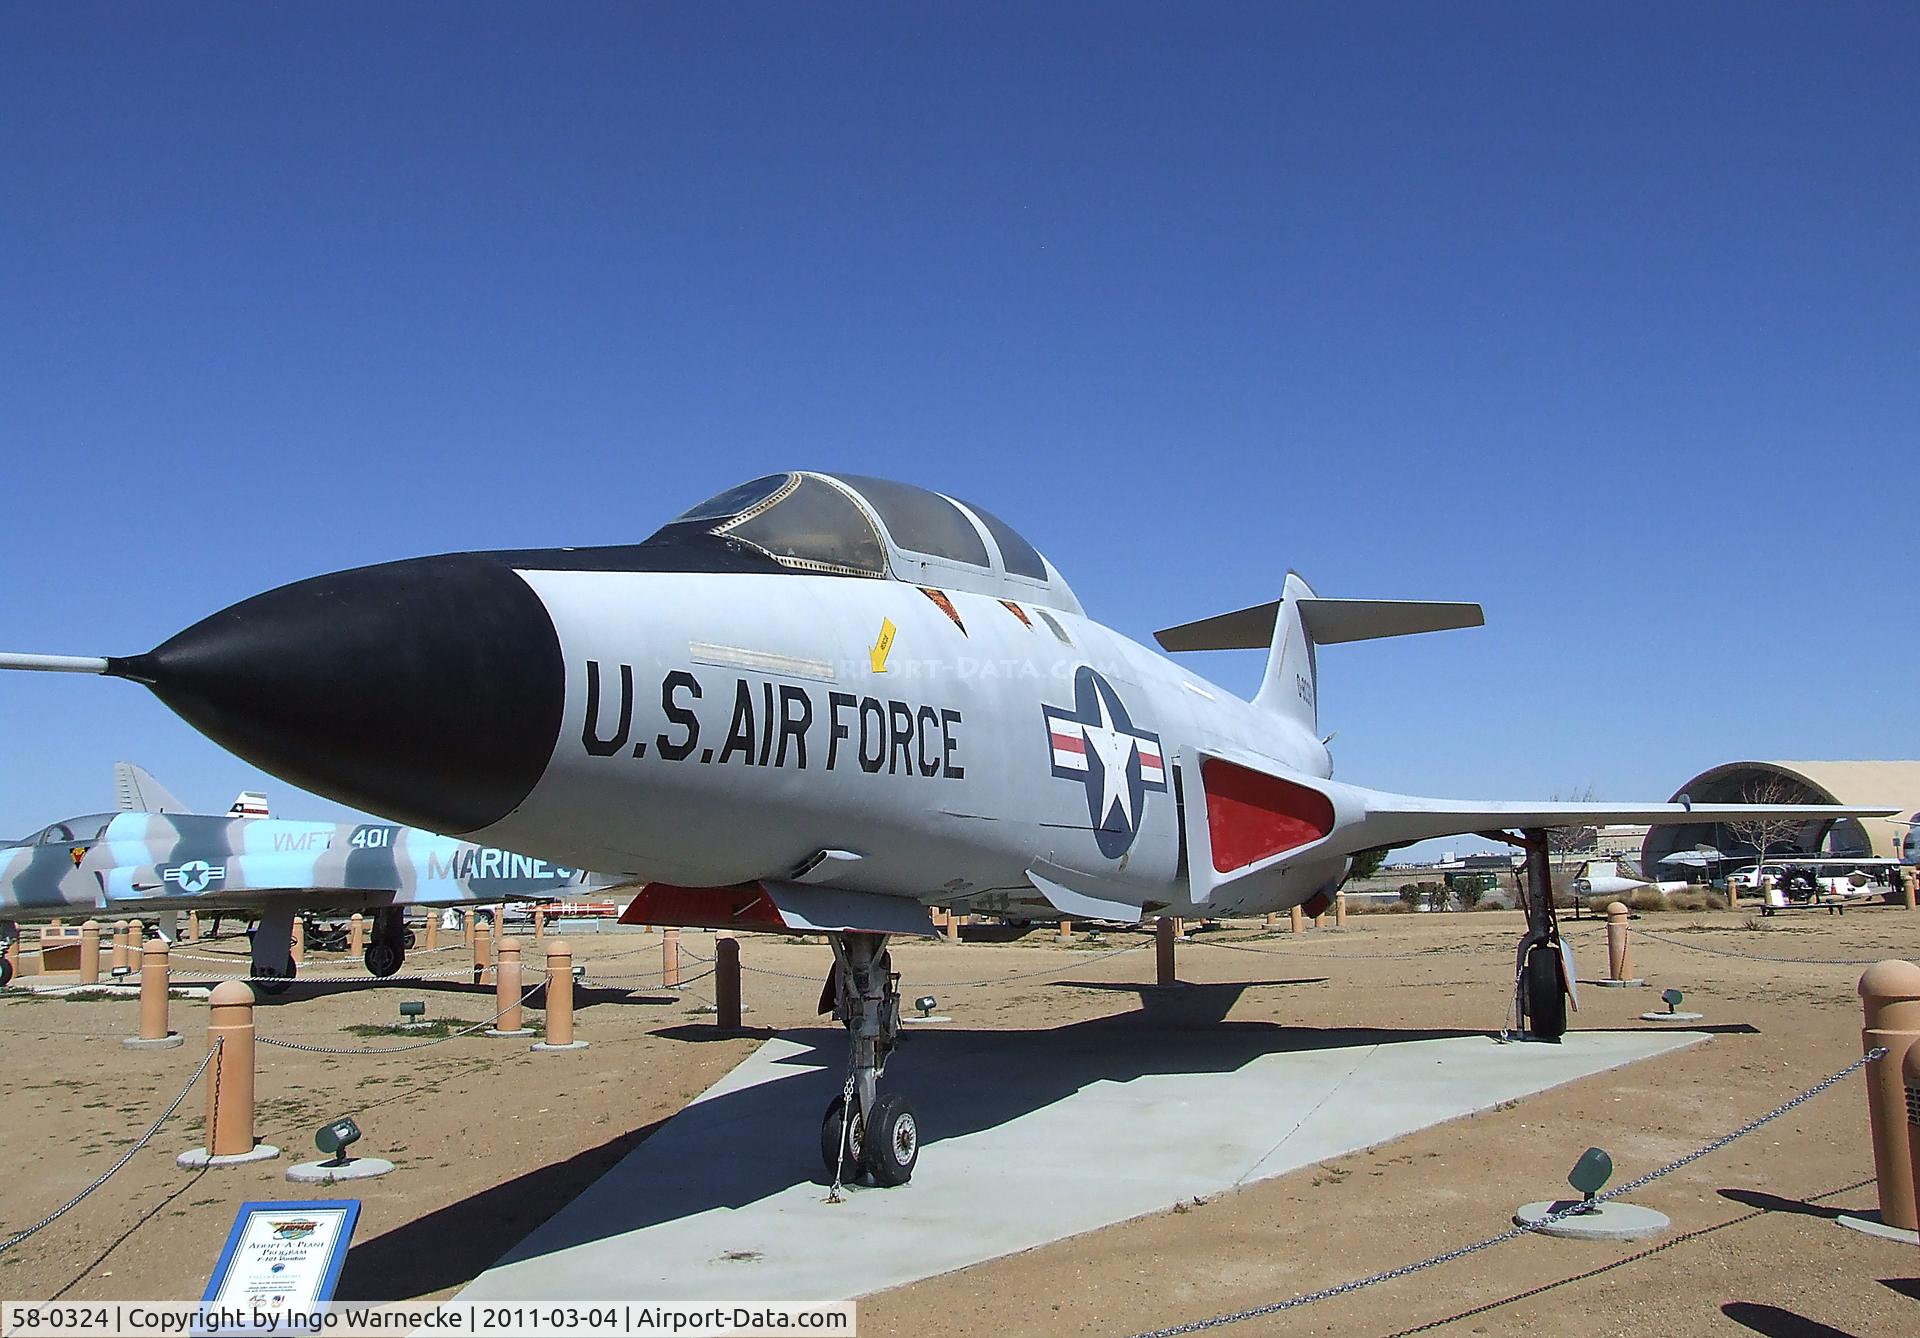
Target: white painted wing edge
[1380, 818]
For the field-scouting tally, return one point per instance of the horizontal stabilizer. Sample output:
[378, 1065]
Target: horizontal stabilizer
[1327, 621]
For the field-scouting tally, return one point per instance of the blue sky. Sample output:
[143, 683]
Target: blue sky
[1605, 315]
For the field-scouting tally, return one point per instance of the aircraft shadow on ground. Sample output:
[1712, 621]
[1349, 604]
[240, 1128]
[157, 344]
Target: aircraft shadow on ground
[960, 1080]
[1778, 1323]
[584, 997]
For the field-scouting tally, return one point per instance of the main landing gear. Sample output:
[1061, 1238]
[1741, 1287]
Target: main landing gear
[878, 1135]
[272, 966]
[1540, 982]
[387, 949]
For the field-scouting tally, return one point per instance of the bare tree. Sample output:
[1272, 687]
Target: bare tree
[1573, 840]
[1765, 833]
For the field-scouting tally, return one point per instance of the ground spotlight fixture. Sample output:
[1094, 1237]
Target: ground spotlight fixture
[926, 1003]
[1589, 1174]
[412, 1011]
[1673, 998]
[334, 1138]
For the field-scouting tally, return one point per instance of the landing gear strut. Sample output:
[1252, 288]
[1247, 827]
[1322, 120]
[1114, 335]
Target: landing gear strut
[879, 1134]
[388, 947]
[1540, 988]
[272, 958]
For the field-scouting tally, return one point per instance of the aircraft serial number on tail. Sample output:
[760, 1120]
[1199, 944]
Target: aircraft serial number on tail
[775, 725]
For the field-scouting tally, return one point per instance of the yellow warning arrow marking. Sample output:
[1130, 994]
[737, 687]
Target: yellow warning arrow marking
[877, 653]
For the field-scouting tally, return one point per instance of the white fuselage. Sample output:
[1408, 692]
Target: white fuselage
[741, 723]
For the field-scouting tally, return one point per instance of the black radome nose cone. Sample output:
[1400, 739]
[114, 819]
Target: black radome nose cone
[428, 691]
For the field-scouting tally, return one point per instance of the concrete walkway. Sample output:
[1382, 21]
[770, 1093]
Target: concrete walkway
[1029, 1137]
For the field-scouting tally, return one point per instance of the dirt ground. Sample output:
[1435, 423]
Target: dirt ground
[491, 1139]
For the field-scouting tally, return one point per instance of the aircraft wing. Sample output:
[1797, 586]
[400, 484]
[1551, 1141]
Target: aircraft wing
[1388, 819]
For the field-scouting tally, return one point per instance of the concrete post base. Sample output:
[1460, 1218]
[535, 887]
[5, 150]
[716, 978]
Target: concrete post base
[167, 1042]
[517, 1031]
[1615, 984]
[197, 1158]
[1612, 1220]
[1869, 1223]
[1671, 1017]
[330, 1173]
[547, 1047]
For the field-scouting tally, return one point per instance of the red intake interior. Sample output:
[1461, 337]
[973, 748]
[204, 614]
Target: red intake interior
[743, 906]
[1252, 816]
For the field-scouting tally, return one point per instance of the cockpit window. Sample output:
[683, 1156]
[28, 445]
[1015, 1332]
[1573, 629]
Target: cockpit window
[735, 500]
[922, 521]
[1020, 557]
[814, 526]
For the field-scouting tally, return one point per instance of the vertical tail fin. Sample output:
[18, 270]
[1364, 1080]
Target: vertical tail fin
[136, 791]
[1290, 686]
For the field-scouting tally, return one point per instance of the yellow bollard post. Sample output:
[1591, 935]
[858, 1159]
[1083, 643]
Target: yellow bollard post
[726, 984]
[1340, 910]
[1890, 995]
[154, 1034]
[1910, 1079]
[539, 925]
[432, 938]
[193, 926]
[1296, 919]
[670, 957]
[119, 965]
[90, 953]
[229, 1081]
[298, 947]
[466, 927]
[1618, 963]
[357, 934]
[482, 954]
[507, 992]
[559, 999]
[1163, 936]
[1066, 931]
[1911, 878]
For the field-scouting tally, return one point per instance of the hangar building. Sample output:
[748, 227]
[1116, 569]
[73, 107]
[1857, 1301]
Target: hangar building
[1857, 783]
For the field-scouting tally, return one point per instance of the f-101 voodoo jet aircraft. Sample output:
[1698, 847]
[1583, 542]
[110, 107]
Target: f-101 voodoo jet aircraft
[155, 856]
[825, 702]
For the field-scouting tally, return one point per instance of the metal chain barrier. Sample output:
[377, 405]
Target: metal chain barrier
[399, 1049]
[1608, 1267]
[1359, 955]
[124, 1158]
[1514, 1233]
[969, 984]
[1754, 956]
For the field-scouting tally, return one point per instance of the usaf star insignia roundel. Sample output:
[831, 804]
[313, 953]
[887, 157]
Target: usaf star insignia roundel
[1096, 744]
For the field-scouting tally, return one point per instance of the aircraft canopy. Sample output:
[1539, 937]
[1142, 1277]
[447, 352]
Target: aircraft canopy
[853, 525]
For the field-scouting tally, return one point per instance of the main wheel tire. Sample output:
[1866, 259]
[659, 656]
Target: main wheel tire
[6, 973]
[893, 1141]
[833, 1129]
[1546, 994]
[383, 959]
[269, 981]
[409, 941]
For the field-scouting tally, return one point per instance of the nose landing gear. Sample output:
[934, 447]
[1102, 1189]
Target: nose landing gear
[863, 1131]
[388, 948]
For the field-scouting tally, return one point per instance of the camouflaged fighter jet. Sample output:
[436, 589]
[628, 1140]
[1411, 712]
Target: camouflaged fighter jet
[156, 857]
[825, 703]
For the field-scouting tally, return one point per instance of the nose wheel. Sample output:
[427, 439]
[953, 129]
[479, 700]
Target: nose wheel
[862, 1132]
